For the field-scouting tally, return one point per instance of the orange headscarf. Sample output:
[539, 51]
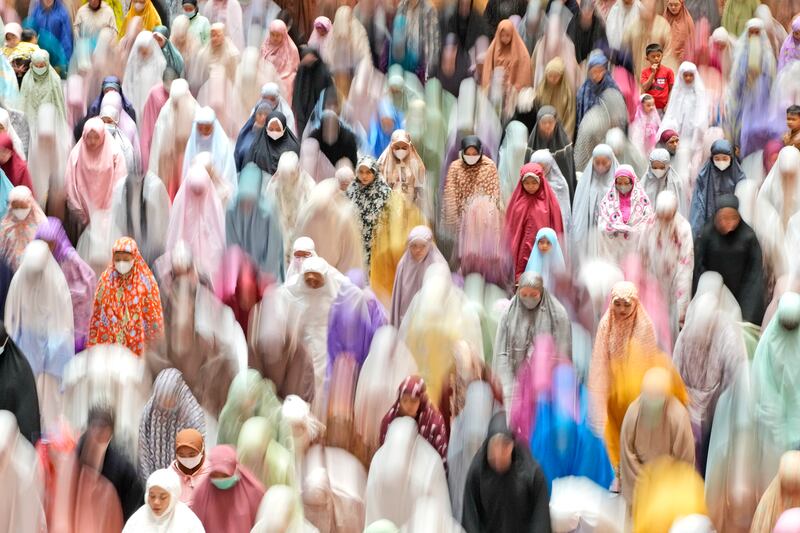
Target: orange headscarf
[624, 349]
[513, 57]
[127, 309]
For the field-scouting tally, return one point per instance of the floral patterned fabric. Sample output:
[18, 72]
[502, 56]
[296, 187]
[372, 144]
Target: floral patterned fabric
[465, 181]
[612, 219]
[127, 310]
[15, 234]
[429, 420]
[370, 201]
[622, 219]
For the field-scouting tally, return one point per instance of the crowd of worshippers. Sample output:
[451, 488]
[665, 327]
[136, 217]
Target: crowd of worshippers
[491, 266]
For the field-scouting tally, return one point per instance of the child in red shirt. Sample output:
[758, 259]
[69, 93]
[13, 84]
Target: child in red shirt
[657, 80]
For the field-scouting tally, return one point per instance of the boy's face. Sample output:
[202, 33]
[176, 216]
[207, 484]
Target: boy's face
[654, 58]
[793, 122]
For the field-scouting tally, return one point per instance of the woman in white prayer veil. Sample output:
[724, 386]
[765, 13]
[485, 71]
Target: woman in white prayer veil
[280, 510]
[513, 153]
[781, 188]
[110, 117]
[302, 249]
[760, 214]
[171, 134]
[253, 74]
[557, 182]
[186, 41]
[667, 252]
[22, 498]
[661, 176]
[334, 488]
[38, 317]
[48, 161]
[329, 213]
[467, 433]
[687, 111]
[144, 70]
[438, 317]
[741, 463]
[405, 471]
[176, 517]
[229, 13]
[555, 43]
[595, 181]
[599, 277]
[113, 376]
[257, 15]
[305, 429]
[208, 136]
[713, 283]
[197, 217]
[219, 51]
[621, 16]
[290, 188]
[388, 363]
[140, 210]
[709, 353]
[314, 292]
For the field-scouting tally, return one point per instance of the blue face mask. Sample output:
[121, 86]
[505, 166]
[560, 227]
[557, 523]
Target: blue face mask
[225, 483]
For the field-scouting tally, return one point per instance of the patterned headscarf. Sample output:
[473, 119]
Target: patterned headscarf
[15, 234]
[170, 409]
[127, 310]
[369, 200]
[429, 420]
[615, 337]
[614, 207]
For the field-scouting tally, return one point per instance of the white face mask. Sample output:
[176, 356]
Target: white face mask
[39, 70]
[722, 165]
[401, 154]
[274, 135]
[21, 213]
[123, 267]
[472, 159]
[659, 172]
[624, 189]
[190, 463]
[139, 6]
